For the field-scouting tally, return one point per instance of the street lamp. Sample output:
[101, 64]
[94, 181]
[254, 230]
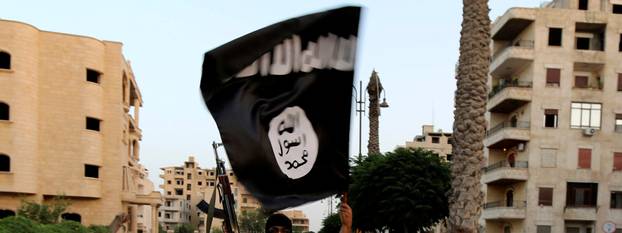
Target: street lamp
[360, 110]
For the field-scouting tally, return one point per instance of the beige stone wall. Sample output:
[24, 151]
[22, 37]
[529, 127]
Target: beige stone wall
[563, 139]
[442, 148]
[46, 137]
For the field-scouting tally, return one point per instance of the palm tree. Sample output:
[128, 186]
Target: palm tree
[466, 195]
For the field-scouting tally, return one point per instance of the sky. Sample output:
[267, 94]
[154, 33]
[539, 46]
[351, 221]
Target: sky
[413, 45]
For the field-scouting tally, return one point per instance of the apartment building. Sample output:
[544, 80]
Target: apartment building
[554, 139]
[439, 142]
[69, 125]
[185, 186]
[300, 222]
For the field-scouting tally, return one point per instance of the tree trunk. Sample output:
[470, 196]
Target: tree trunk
[466, 196]
[374, 87]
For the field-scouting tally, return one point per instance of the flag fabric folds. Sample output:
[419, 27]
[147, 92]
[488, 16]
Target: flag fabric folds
[281, 98]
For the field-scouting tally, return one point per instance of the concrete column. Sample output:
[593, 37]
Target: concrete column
[136, 111]
[154, 219]
[133, 217]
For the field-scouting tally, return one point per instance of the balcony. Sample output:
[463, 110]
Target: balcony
[512, 23]
[511, 59]
[507, 97]
[507, 134]
[504, 210]
[583, 213]
[505, 173]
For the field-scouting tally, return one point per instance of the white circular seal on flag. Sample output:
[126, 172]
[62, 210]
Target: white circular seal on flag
[294, 142]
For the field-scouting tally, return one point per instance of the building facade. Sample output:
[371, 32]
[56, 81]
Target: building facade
[300, 222]
[185, 186]
[438, 142]
[554, 140]
[69, 113]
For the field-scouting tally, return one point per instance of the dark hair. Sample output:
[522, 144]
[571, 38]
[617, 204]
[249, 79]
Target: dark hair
[278, 220]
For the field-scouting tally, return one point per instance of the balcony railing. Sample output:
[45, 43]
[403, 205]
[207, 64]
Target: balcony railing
[508, 124]
[527, 44]
[505, 164]
[514, 83]
[504, 204]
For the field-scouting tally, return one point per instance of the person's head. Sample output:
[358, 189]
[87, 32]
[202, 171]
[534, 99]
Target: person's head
[278, 223]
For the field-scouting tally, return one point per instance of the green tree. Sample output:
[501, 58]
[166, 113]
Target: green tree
[402, 191]
[184, 228]
[44, 213]
[331, 224]
[466, 196]
[252, 221]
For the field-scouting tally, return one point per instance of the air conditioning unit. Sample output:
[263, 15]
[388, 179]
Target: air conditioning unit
[589, 132]
[521, 147]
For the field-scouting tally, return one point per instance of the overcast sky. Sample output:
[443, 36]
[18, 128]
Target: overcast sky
[413, 45]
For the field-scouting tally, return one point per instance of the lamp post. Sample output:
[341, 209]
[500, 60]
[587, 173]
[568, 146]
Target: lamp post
[374, 88]
[360, 110]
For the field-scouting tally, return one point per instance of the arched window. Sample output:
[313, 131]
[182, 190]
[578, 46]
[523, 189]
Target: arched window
[72, 217]
[5, 163]
[4, 111]
[6, 213]
[5, 60]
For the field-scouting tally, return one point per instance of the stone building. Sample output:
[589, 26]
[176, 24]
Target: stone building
[300, 222]
[554, 138]
[69, 114]
[185, 186]
[438, 142]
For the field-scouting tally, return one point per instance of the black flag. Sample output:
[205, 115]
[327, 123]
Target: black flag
[281, 97]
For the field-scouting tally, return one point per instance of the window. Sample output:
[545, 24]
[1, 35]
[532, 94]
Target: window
[200, 183]
[620, 81]
[555, 37]
[435, 140]
[169, 193]
[189, 176]
[581, 194]
[550, 118]
[545, 196]
[92, 123]
[6, 213]
[179, 191]
[167, 216]
[583, 4]
[179, 182]
[583, 43]
[549, 157]
[188, 197]
[617, 161]
[616, 200]
[188, 187]
[200, 173]
[91, 171]
[552, 77]
[4, 111]
[211, 183]
[618, 127]
[71, 217]
[5, 60]
[244, 200]
[92, 76]
[5, 163]
[449, 157]
[543, 229]
[585, 158]
[211, 173]
[168, 181]
[580, 81]
[585, 115]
